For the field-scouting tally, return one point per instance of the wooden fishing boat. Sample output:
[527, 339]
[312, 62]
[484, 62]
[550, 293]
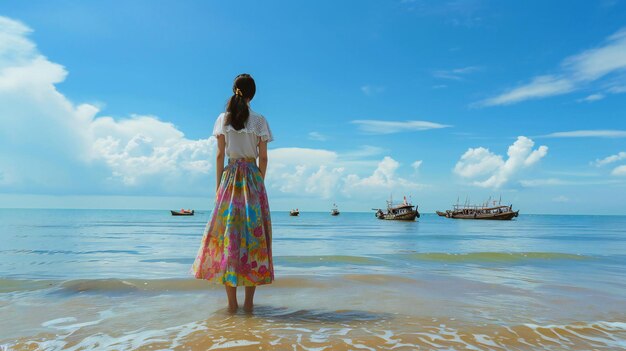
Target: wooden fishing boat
[294, 213]
[399, 212]
[495, 212]
[440, 214]
[334, 211]
[183, 212]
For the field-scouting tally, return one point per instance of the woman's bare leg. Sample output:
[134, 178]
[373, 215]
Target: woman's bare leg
[231, 292]
[249, 303]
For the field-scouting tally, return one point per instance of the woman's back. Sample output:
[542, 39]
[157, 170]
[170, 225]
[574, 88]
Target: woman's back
[243, 143]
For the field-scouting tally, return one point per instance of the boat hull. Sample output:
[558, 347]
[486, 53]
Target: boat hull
[440, 214]
[410, 216]
[176, 213]
[505, 216]
[294, 214]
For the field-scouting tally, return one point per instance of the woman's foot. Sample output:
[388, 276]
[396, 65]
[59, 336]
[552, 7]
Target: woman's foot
[248, 307]
[231, 292]
[233, 308]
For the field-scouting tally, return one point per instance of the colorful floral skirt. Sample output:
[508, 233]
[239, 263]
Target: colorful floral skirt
[236, 248]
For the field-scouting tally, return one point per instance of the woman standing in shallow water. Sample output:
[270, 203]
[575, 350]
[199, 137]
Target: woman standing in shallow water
[236, 248]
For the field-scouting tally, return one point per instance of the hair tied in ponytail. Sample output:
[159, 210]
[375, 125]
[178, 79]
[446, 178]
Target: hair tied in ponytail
[237, 110]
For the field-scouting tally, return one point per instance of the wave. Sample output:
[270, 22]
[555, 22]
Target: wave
[499, 257]
[69, 252]
[122, 286]
[328, 259]
[319, 330]
[468, 257]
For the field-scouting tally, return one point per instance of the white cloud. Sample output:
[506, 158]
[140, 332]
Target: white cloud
[561, 198]
[477, 162]
[370, 90]
[592, 98]
[389, 127]
[317, 136]
[382, 180]
[363, 151]
[327, 174]
[324, 181]
[576, 71]
[455, 74]
[49, 144]
[598, 62]
[292, 168]
[610, 159]
[618, 89]
[144, 147]
[416, 165]
[606, 133]
[480, 163]
[539, 87]
[619, 171]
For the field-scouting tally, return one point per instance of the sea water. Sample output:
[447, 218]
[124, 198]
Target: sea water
[119, 280]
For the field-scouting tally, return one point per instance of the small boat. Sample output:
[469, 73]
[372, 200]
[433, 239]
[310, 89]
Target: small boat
[334, 211]
[440, 214]
[399, 212]
[295, 212]
[497, 211]
[183, 212]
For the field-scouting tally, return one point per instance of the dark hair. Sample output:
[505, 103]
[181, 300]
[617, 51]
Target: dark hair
[237, 111]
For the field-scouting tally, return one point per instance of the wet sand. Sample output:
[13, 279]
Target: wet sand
[369, 312]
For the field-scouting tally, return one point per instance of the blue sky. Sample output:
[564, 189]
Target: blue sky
[115, 102]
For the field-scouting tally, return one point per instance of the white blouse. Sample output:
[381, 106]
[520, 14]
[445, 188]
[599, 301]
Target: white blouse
[243, 143]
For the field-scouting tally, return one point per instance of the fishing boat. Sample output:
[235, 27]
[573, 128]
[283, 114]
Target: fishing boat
[294, 213]
[334, 211]
[182, 212]
[404, 211]
[440, 214]
[495, 211]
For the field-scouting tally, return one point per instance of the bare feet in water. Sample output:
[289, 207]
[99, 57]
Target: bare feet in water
[248, 307]
[231, 292]
[233, 308]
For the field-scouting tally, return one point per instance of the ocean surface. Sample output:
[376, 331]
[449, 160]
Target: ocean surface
[119, 280]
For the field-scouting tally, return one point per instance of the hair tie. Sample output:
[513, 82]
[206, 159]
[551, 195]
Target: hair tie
[238, 92]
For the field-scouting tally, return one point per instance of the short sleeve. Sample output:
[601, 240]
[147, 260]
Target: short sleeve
[218, 128]
[263, 130]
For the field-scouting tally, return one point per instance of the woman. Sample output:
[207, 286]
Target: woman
[236, 248]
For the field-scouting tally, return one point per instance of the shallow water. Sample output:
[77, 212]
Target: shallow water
[83, 280]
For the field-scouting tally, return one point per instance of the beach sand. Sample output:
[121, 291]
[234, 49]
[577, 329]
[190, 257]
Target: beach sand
[369, 312]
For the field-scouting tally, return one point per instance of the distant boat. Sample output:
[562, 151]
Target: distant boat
[495, 212]
[295, 212]
[182, 213]
[440, 214]
[334, 211]
[399, 212]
